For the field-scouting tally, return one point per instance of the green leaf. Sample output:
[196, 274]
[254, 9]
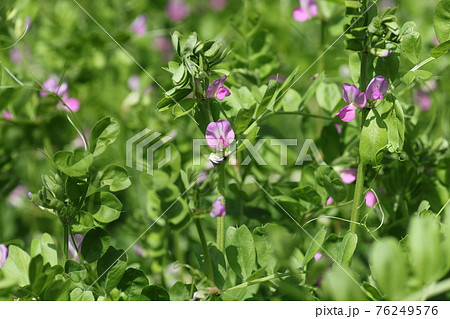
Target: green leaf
[327, 177]
[315, 245]
[132, 283]
[103, 134]
[240, 250]
[242, 120]
[104, 207]
[95, 244]
[79, 295]
[183, 107]
[389, 268]
[154, 293]
[180, 291]
[36, 274]
[265, 254]
[395, 125]
[309, 194]
[116, 177]
[176, 42]
[328, 96]
[425, 249]
[218, 264]
[441, 21]
[412, 46]
[57, 291]
[373, 137]
[45, 246]
[346, 249]
[271, 89]
[76, 272]
[171, 99]
[311, 90]
[74, 164]
[111, 267]
[16, 265]
[354, 64]
[441, 49]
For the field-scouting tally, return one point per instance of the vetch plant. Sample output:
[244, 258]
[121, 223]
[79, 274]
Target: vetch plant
[297, 171]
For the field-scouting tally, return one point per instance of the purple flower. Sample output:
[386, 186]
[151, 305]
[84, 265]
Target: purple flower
[3, 255]
[217, 89]
[162, 44]
[355, 98]
[139, 25]
[203, 176]
[177, 10]
[370, 198]
[386, 4]
[6, 115]
[139, 251]
[52, 86]
[73, 252]
[219, 134]
[377, 88]
[218, 209]
[16, 56]
[17, 196]
[306, 11]
[330, 200]
[278, 77]
[134, 82]
[348, 175]
[72, 103]
[384, 53]
[218, 5]
[423, 99]
[435, 41]
[338, 128]
[317, 256]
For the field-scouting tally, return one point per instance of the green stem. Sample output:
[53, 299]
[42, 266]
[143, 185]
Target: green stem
[221, 233]
[295, 113]
[66, 240]
[363, 77]
[256, 281]
[208, 264]
[359, 187]
[357, 197]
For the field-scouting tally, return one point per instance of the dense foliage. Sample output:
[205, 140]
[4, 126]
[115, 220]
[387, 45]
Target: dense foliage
[352, 204]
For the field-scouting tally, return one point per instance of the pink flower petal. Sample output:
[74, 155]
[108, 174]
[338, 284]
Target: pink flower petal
[218, 5]
[73, 252]
[300, 14]
[73, 104]
[218, 209]
[330, 200]
[352, 95]
[348, 113]
[370, 198]
[348, 175]
[317, 256]
[219, 134]
[3, 255]
[7, 115]
[377, 87]
[423, 99]
[177, 10]
[139, 25]
[222, 93]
